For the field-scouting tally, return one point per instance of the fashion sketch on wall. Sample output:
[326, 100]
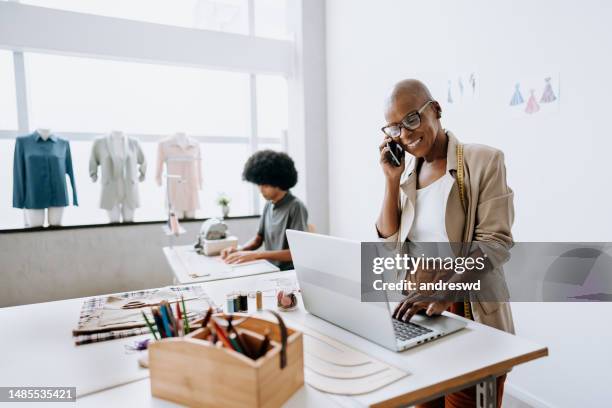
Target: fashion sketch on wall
[533, 94]
[461, 90]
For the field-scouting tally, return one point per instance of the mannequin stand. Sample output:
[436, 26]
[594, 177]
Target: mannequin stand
[36, 218]
[185, 215]
[121, 213]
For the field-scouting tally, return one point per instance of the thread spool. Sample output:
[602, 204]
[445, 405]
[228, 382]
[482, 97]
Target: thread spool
[236, 299]
[259, 300]
[244, 302]
[230, 303]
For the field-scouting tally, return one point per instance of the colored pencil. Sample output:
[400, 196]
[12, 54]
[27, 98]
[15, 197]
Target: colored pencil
[207, 317]
[159, 322]
[179, 320]
[222, 336]
[243, 344]
[149, 325]
[187, 329]
[171, 319]
[178, 311]
[165, 319]
[232, 339]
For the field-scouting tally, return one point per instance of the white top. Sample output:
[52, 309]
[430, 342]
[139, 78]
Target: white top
[429, 223]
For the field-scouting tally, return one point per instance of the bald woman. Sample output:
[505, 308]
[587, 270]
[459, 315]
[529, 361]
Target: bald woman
[421, 203]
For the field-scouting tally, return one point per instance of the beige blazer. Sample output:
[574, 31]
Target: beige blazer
[488, 217]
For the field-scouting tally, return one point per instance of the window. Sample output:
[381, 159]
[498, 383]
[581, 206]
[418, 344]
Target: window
[219, 15]
[231, 16]
[272, 106]
[8, 109]
[221, 163]
[272, 146]
[85, 93]
[84, 98]
[271, 19]
[89, 95]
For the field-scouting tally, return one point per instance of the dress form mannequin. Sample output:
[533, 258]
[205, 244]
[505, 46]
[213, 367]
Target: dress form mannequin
[121, 212]
[44, 133]
[36, 218]
[181, 139]
[123, 164]
[178, 154]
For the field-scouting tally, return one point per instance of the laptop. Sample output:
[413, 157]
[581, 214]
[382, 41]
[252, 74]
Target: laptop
[329, 274]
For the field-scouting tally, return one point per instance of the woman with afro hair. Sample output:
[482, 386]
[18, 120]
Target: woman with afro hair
[275, 174]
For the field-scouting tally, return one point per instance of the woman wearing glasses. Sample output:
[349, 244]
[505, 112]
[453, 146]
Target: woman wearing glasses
[425, 202]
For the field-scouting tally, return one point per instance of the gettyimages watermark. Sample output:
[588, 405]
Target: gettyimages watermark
[487, 272]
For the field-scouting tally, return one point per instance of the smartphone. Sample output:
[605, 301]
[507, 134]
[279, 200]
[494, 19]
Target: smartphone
[395, 155]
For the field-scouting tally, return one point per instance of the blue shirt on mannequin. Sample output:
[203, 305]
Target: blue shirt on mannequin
[39, 172]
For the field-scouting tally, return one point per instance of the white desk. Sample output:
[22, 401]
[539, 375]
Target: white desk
[42, 353]
[37, 349]
[190, 267]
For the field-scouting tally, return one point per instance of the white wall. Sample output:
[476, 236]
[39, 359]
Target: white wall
[558, 163]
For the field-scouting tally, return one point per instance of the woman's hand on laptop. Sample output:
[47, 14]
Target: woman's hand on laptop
[411, 306]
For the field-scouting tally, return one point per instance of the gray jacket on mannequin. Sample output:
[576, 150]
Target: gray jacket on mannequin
[120, 173]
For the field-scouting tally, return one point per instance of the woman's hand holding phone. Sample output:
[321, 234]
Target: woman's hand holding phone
[390, 168]
[389, 219]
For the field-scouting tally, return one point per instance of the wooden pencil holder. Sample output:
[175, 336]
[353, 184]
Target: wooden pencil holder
[192, 371]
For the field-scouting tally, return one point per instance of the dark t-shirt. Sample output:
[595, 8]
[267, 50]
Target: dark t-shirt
[288, 213]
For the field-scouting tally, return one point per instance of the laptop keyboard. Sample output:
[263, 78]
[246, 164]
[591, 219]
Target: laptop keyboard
[408, 330]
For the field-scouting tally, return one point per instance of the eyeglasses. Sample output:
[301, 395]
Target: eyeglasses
[410, 122]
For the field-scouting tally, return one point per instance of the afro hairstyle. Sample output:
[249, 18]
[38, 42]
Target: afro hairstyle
[270, 168]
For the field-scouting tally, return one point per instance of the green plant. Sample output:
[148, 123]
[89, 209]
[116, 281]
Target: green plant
[223, 200]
